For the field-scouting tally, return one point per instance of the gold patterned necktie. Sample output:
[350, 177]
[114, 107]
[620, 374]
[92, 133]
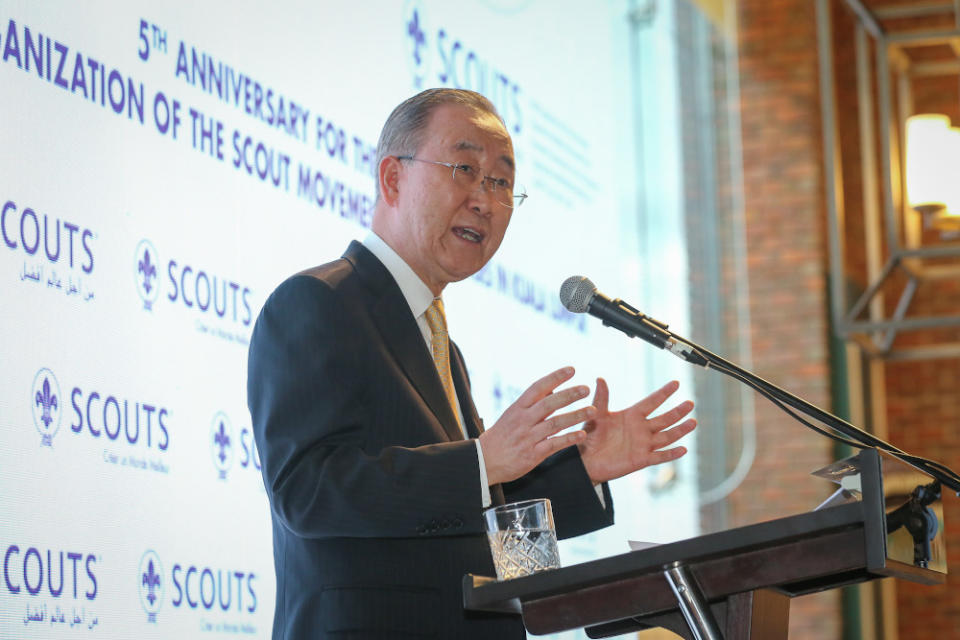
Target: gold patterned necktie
[440, 342]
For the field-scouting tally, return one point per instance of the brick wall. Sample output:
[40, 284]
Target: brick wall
[923, 403]
[788, 264]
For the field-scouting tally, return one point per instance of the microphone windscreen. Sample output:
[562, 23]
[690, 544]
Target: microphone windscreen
[576, 292]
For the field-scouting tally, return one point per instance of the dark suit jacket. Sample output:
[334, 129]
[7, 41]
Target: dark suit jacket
[374, 493]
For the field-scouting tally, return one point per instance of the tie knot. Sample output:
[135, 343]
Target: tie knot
[436, 319]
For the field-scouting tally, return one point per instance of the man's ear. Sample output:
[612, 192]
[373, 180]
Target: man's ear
[389, 176]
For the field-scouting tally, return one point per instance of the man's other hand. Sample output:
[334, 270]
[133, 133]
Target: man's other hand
[621, 442]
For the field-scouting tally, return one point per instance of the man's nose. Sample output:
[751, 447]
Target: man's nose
[483, 200]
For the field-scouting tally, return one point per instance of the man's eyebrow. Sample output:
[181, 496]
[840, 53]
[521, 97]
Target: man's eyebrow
[466, 145]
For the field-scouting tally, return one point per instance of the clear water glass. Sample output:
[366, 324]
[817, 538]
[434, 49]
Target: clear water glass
[523, 538]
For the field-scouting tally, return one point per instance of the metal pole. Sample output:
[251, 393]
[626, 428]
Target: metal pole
[907, 324]
[902, 305]
[883, 90]
[940, 351]
[831, 165]
[875, 285]
[911, 229]
[944, 251]
[694, 608]
[924, 37]
[914, 10]
[866, 18]
[868, 154]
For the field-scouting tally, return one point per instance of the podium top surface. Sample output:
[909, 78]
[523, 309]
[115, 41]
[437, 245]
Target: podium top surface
[488, 594]
[799, 554]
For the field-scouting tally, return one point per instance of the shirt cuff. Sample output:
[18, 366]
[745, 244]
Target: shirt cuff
[484, 487]
[599, 489]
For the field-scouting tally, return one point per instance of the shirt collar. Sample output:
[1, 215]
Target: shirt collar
[415, 292]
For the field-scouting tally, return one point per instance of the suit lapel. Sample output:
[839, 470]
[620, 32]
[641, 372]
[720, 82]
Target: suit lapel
[461, 381]
[400, 333]
[474, 424]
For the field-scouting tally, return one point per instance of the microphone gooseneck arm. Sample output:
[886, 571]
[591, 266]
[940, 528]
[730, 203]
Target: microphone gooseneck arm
[579, 295]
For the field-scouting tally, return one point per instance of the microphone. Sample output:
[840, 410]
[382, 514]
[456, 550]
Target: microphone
[579, 295]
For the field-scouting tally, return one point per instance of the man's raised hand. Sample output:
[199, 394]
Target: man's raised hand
[524, 436]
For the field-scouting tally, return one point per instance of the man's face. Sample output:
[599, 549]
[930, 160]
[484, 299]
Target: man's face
[446, 232]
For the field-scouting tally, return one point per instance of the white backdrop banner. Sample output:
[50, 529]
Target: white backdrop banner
[164, 166]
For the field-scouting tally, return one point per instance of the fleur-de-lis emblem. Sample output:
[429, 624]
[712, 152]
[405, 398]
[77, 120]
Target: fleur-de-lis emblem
[151, 586]
[222, 440]
[151, 579]
[47, 400]
[148, 270]
[415, 32]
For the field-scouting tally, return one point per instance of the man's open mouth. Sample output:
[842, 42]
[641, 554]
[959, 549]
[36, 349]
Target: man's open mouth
[468, 234]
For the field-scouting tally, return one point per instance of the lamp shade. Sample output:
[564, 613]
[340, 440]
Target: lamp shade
[928, 160]
[951, 197]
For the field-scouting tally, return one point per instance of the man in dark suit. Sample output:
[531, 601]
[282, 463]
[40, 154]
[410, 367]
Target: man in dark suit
[374, 459]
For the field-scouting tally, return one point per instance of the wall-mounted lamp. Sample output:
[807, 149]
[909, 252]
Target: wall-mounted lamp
[933, 170]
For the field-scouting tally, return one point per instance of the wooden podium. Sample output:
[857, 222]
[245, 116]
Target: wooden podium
[738, 583]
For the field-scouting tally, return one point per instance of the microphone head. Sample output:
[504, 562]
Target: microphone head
[576, 292]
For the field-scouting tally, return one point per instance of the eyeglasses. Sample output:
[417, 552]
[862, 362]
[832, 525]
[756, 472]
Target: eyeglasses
[469, 178]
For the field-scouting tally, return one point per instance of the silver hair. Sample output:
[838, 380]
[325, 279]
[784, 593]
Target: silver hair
[402, 133]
